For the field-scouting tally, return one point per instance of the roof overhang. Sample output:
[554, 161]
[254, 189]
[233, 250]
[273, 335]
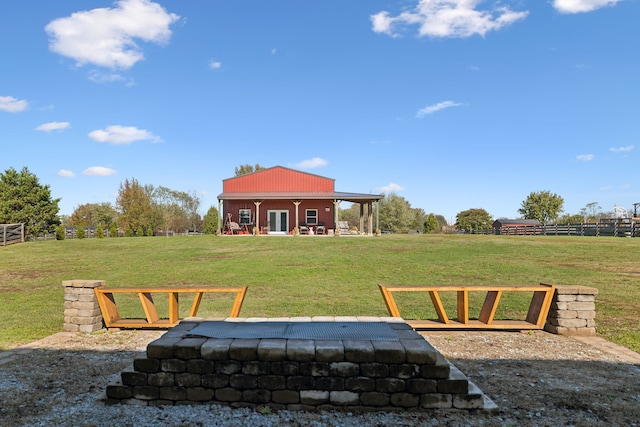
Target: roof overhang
[348, 197]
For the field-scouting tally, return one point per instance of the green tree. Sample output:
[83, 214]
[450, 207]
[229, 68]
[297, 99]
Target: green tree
[351, 215]
[134, 202]
[94, 214]
[211, 221]
[543, 206]
[177, 209]
[395, 214]
[591, 212]
[431, 224]
[23, 200]
[113, 230]
[80, 232]
[245, 169]
[473, 220]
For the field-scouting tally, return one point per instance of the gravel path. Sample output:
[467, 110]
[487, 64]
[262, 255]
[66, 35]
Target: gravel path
[536, 379]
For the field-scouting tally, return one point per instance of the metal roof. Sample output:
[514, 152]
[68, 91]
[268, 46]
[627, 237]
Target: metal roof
[301, 195]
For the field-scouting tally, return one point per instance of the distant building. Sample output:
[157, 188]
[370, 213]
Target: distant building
[514, 226]
[278, 199]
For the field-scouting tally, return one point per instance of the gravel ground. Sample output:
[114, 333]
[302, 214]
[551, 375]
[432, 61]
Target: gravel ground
[536, 379]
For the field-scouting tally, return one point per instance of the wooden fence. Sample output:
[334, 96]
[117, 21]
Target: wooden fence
[11, 233]
[624, 227]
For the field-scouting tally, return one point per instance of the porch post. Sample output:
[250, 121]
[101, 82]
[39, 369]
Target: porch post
[370, 218]
[257, 224]
[336, 207]
[220, 220]
[297, 203]
[361, 217]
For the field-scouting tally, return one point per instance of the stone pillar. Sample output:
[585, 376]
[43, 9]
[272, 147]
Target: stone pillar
[81, 309]
[573, 311]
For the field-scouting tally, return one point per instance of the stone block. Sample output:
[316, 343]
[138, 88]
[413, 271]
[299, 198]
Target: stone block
[301, 350]
[468, 401]
[376, 399]
[146, 365]
[344, 369]
[436, 401]
[173, 365]
[188, 348]
[228, 394]
[404, 400]
[285, 368]
[404, 371]
[173, 393]
[344, 398]
[272, 382]
[199, 366]
[145, 392]
[215, 349]
[330, 383]
[286, 396]
[70, 327]
[360, 384]
[244, 349]
[117, 391]
[586, 314]
[256, 368]
[421, 385]
[132, 378]
[572, 323]
[228, 367]
[256, 396]
[389, 351]
[390, 385]
[314, 369]
[374, 370]
[162, 348]
[90, 328]
[242, 381]
[329, 351]
[160, 379]
[214, 380]
[186, 379]
[581, 306]
[420, 351]
[199, 394]
[301, 383]
[358, 351]
[314, 397]
[272, 349]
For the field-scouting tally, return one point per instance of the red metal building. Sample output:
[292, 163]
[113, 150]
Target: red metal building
[278, 199]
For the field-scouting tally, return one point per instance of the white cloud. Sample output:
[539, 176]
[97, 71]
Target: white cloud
[621, 149]
[585, 157]
[99, 171]
[51, 126]
[107, 37]
[580, 6]
[214, 65]
[447, 18]
[65, 173]
[122, 135]
[12, 105]
[430, 109]
[316, 162]
[390, 188]
[100, 77]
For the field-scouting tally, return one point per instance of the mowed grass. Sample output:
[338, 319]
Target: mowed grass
[309, 276]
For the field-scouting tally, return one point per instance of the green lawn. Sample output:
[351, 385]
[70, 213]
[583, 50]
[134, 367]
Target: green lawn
[308, 276]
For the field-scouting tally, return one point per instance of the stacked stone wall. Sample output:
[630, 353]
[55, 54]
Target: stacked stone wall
[573, 311]
[296, 374]
[81, 309]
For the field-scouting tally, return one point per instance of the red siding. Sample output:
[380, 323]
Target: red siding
[278, 179]
[233, 207]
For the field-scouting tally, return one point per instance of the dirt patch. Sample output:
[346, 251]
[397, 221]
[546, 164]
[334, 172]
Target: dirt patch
[536, 379]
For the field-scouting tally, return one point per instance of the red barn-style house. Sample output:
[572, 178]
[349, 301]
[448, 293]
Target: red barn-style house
[278, 199]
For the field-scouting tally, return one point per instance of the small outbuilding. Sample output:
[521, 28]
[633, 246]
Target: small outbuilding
[278, 200]
[514, 226]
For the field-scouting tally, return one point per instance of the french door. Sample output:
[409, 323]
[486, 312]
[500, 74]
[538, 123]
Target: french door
[278, 221]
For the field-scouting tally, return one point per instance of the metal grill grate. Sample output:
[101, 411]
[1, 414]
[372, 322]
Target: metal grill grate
[371, 331]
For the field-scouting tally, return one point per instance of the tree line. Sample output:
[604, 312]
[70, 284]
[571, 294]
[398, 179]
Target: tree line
[144, 210]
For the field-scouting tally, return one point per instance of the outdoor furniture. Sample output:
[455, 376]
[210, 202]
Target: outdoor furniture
[111, 315]
[321, 229]
[535, 319]
[303, 228]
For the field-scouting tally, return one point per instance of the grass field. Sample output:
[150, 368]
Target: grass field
[308, 276]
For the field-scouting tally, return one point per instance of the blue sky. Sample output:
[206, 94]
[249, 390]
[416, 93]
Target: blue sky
[451, 104]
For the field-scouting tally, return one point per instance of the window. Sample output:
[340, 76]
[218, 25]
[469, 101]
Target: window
[245, 216]
[312, 216]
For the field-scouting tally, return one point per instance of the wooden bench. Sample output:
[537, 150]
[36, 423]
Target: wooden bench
[535, 319]
[111, 315]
